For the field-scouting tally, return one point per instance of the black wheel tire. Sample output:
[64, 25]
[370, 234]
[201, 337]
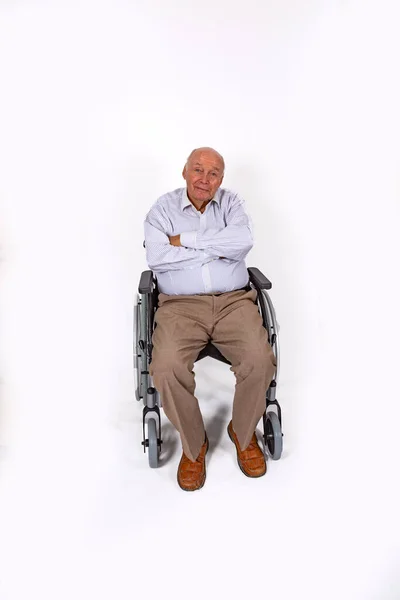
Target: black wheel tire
[274, 436]
[153, 447]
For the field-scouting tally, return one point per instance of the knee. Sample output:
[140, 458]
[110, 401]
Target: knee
[258, 361]
[261, 356]
[165, 363]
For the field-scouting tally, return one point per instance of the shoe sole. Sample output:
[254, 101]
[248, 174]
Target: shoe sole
[204, 479]
[238, 461]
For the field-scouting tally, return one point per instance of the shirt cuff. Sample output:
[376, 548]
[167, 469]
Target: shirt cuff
[188, 239]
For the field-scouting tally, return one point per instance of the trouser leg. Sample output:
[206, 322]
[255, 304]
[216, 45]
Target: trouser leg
[179, 336]
[240, 336]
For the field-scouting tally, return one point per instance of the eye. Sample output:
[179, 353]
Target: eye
[198, 170]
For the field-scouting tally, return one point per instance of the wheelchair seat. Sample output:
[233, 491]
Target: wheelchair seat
[213, 352]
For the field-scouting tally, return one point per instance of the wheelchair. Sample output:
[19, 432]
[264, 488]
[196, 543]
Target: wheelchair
[145, 306]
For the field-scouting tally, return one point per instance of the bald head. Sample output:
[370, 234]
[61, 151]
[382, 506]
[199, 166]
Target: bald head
[203, 173]
[207, 151]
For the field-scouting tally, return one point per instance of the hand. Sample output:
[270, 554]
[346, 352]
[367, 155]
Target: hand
[175, 240]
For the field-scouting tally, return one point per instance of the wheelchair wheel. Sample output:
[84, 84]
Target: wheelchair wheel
[153, 448]
[274, 440]
[137, 366]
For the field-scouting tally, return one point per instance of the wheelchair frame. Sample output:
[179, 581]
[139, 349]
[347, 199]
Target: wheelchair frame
[144, 310]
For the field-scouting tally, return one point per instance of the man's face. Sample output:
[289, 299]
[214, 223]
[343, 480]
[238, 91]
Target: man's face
[203, 174]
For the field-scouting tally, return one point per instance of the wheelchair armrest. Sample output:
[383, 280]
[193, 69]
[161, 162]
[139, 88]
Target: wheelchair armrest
[259, 279]
[146, 283]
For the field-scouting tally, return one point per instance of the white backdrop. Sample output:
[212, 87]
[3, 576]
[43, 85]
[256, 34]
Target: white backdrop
[100, 104]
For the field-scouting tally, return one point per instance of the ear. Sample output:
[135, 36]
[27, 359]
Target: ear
[184, 173]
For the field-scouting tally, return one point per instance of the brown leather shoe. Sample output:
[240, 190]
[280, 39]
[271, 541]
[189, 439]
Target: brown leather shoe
[192, 475]
[251, 460]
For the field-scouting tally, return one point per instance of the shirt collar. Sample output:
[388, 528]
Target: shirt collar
[186, 202]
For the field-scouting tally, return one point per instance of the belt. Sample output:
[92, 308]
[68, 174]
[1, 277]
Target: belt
[247, 288]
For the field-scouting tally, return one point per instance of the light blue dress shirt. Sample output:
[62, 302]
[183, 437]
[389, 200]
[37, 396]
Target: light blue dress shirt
[223, 230]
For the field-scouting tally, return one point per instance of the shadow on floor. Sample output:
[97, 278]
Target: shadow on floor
[170, 438]
[216, 427]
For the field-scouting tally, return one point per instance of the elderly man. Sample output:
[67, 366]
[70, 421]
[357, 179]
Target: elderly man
[197, 239]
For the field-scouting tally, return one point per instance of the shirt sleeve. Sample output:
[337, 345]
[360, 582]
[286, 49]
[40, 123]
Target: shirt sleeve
[160, 254]
[233, 241]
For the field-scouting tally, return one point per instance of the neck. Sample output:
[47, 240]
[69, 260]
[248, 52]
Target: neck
[199, 204]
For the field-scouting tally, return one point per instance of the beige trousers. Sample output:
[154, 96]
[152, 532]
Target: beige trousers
[231, 321]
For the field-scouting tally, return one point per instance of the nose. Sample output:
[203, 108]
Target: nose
[204, 178]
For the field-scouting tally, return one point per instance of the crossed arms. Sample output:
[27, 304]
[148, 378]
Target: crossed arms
[194, 248]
